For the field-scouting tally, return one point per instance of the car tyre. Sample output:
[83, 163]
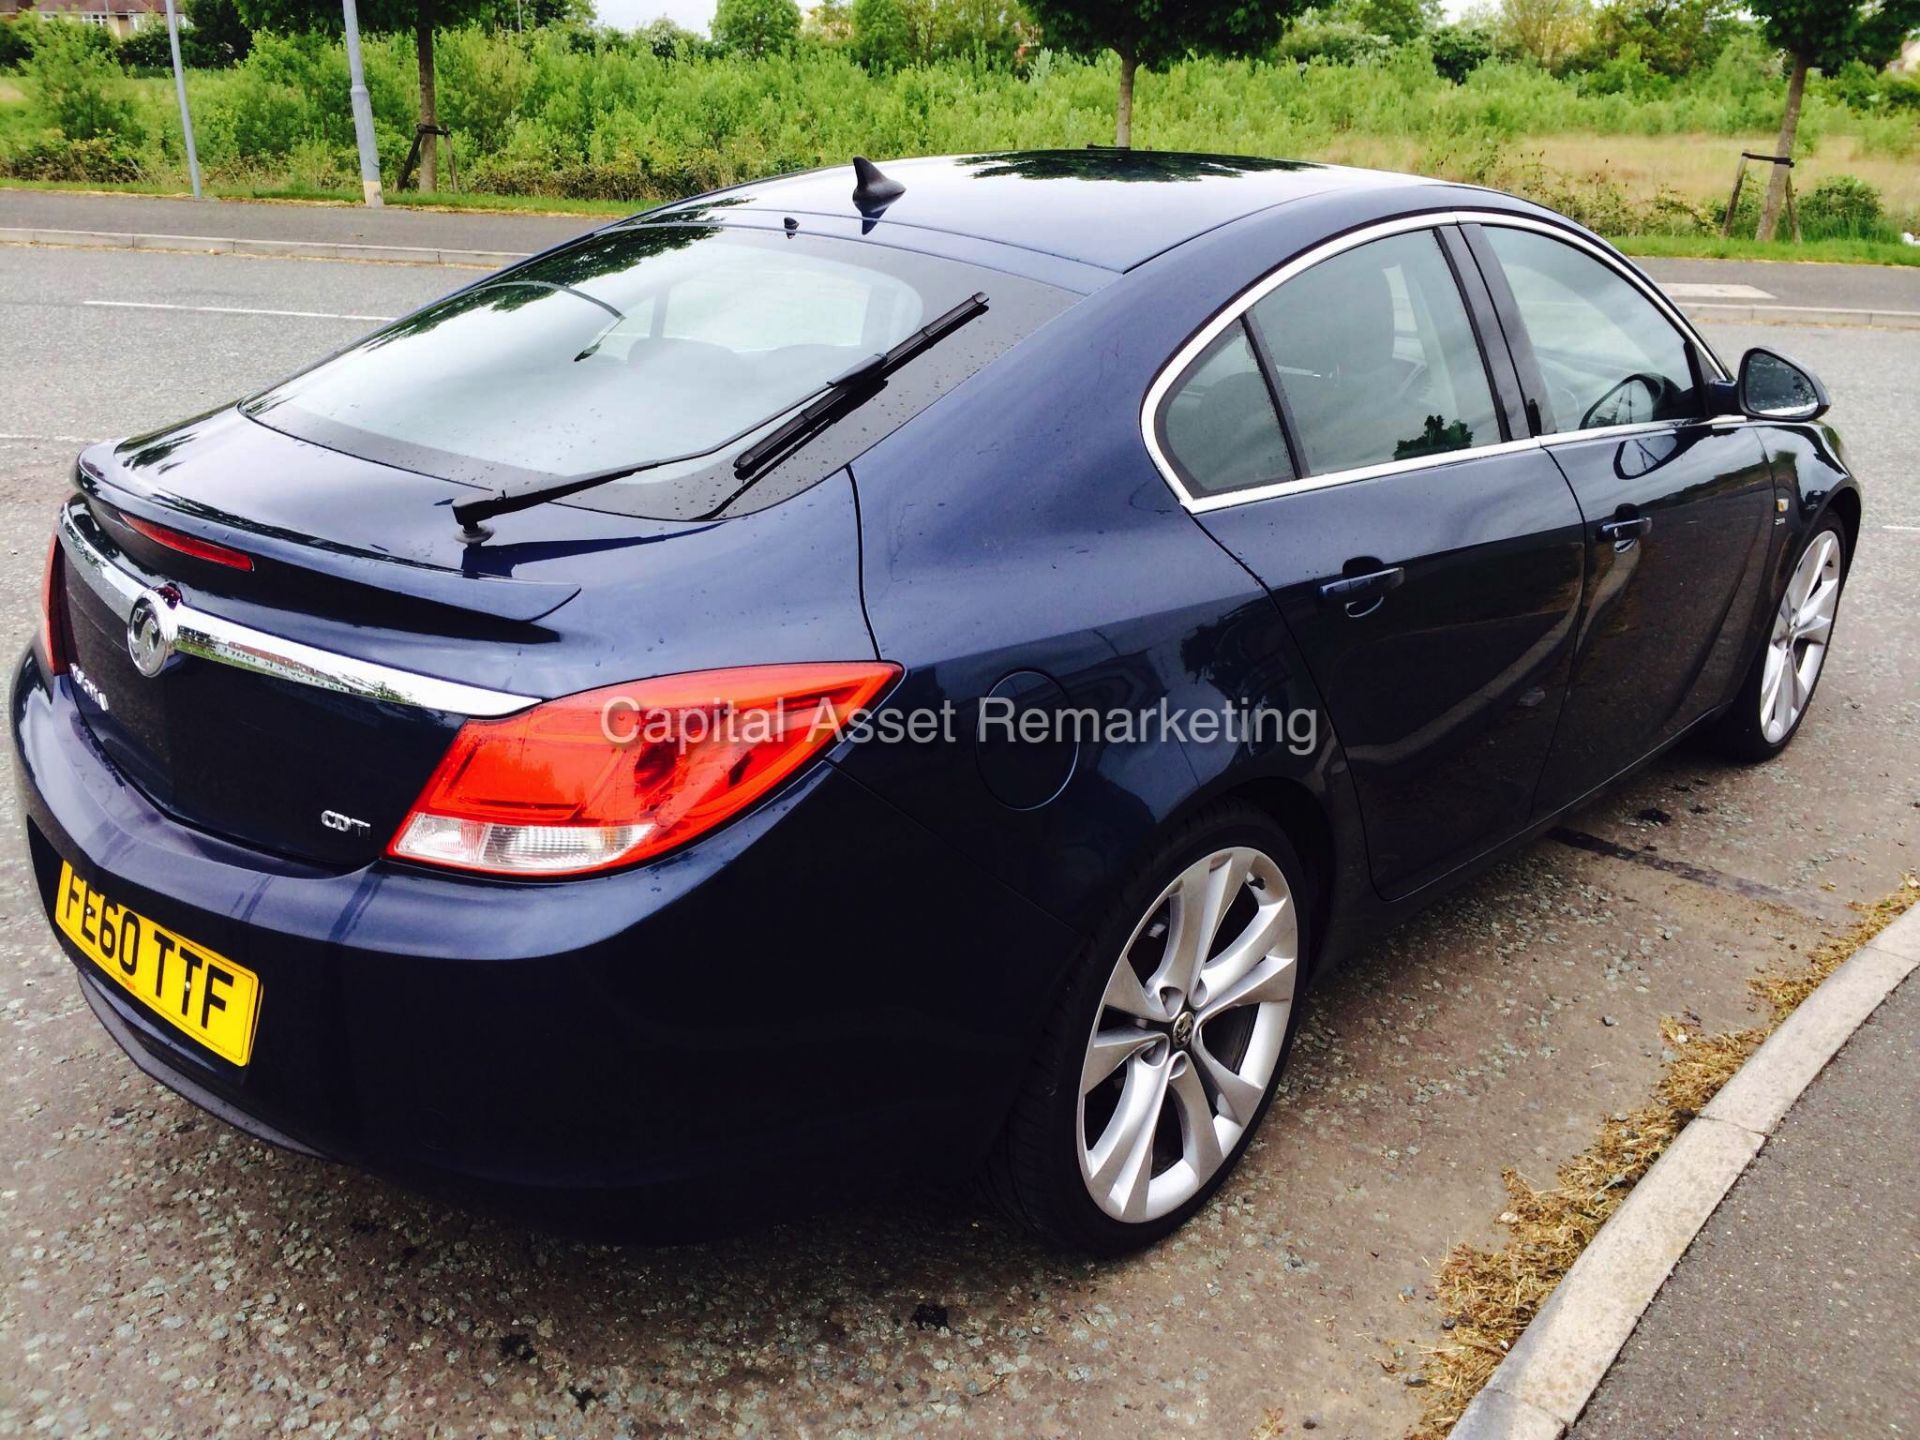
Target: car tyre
[1785, 672]
[1168, 1043]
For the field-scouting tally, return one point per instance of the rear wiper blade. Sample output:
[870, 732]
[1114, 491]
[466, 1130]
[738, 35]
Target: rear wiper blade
[835, 398]
[850, 389]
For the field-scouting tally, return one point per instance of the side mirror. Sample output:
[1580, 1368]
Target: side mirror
[1772, 387]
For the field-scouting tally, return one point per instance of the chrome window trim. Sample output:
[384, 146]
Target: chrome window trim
[1230, 314]
[226, 642]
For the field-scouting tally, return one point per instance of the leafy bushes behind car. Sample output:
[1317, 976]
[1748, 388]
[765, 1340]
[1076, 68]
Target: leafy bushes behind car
[576, 113]
[78, 88]
[16, 43]
[1843, 207]
[99, 161]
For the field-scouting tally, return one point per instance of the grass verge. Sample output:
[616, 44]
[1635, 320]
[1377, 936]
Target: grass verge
[1712, 247]
[1705, 247]
[1489, 1296]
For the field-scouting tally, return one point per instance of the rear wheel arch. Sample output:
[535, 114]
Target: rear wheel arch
[1295, 810]
[1304, 817]
[1845, 506]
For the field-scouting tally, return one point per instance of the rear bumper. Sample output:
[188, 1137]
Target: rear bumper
[814, 998]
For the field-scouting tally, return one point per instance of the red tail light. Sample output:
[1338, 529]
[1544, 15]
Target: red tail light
[53, 603]
[188, 545]
[618, 775]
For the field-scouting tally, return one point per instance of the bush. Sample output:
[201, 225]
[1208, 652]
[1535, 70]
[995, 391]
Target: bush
[148, 48]
[578, 114]
[16, 42]
[1746, 217]
[1626, 72]
[882, 38]
[1839, 208]
[1459, 50]
[569, 180]
[100, 161]
[215, 36]
[80, 90]
[1842, 207]
[1333, 42]
[756, 27]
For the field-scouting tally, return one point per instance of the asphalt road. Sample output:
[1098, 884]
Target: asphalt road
[1791, 1317]
[161, 1274]
[1766, 283]
[337, 224]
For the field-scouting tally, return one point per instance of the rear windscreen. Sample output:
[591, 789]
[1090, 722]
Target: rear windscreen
[653, 341]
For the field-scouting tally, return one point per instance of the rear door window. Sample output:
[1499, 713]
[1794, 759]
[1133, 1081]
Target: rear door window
[1376, 358]
[1219, 427]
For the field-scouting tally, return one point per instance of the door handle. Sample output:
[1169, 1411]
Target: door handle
[1362, 594]
[1624, 532]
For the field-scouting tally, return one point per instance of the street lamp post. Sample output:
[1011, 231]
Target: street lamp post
[362, 110]
[180, 86]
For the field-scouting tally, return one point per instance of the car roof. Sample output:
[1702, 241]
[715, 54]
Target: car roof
[1105, 207]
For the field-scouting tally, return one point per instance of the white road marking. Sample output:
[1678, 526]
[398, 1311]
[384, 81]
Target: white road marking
[1685, 290]
[1903, 529]
[62, 439]
[232, 310]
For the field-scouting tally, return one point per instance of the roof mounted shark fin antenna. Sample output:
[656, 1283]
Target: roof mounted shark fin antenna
[873, 190]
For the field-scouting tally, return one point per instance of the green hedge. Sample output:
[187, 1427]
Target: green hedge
[577, 114]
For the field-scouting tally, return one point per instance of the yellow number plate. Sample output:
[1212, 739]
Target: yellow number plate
[194, 990]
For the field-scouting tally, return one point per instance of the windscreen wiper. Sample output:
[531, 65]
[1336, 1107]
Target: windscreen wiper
[850, 389]
[844, 392]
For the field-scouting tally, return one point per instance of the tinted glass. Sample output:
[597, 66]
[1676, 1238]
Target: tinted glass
[1219, 425]
[1607, 354]
[1376, 357]
[645, 343]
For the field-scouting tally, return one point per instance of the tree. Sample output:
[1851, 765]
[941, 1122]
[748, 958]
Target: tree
[1155, 33]
[1824, 34]
[993, 30]
[830, 22]
[1548, 32]
[377, 17]
[78, 87]
[892, 34]
[1398, 20]
[1460, 49]
[756, 27]
[522, 15]
[883, 34]
[216, 36]
[16, 42]
[669, 41]
[1675, 37]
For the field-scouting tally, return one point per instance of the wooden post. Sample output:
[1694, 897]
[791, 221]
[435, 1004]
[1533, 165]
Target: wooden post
[1782, 165]
[1733, 201]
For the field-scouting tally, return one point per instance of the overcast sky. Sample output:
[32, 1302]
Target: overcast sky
[625, 14]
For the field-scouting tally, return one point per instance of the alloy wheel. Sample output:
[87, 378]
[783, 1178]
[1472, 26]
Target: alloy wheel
[1801, 629]
[1189, 1034]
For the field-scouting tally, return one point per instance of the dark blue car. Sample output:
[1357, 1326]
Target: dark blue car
[892, 673]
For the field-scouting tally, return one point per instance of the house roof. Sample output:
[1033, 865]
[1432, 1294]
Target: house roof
[96, 7]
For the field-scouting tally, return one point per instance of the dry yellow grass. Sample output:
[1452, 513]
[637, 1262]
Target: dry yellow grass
[1490, 1296]
[1699, 167]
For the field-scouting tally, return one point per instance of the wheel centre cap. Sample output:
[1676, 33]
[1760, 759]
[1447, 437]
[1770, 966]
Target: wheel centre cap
[1183, 1029]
